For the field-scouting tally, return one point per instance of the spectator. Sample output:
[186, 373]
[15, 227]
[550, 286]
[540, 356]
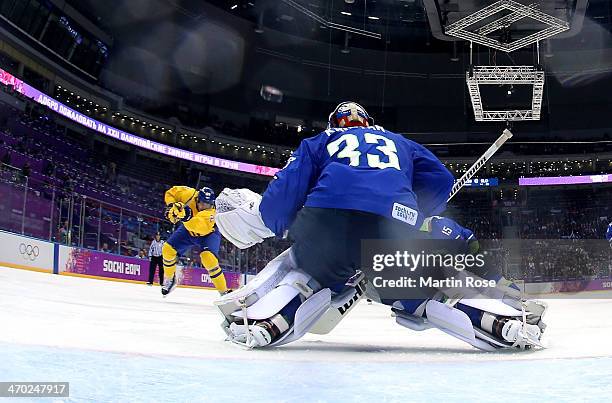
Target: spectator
[105, 248]
[6, 159]
[63, 233]
[155, 254]
[49, 169]
[142, 254]
[25, 171]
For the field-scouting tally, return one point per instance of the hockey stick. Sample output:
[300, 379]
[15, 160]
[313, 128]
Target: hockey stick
[506, 134]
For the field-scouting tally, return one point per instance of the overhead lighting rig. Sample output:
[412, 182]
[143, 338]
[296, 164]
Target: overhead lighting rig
[505, 75]
[461, 29]
[468, 28]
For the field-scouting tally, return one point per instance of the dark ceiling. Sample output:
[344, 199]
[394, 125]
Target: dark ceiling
[403, 25]
[196, 54]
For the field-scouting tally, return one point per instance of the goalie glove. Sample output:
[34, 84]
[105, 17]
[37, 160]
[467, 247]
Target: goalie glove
[178, 211]
[238, 217]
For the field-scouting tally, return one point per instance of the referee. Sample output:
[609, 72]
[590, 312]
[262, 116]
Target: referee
[155, 254]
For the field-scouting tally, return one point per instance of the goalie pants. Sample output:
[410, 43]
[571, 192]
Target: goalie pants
[327, 245]
[327, 242]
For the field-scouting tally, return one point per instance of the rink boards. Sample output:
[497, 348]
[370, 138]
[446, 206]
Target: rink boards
[27, 253]
[21, 252]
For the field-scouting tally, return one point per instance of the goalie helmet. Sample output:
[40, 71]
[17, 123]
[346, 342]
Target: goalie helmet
[349, 114]
[206, 195]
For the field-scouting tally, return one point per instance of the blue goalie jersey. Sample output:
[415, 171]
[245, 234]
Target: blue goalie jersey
[362, 168]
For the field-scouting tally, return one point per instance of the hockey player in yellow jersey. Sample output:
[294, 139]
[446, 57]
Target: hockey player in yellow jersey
[193, 211]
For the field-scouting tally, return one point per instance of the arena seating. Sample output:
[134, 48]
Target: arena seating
[81, 194]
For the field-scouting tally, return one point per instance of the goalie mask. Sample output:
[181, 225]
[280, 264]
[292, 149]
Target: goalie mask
[349, 114]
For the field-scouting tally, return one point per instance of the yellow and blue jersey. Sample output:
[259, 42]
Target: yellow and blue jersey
[202, 222]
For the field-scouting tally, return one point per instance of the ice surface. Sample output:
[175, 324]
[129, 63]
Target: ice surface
[123, 342]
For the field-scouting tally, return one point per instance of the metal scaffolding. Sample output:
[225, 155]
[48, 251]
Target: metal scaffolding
[501, 75]
[461, 29]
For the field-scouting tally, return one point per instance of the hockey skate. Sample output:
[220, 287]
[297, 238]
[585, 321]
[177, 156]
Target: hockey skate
[169, 285]
[521, 335]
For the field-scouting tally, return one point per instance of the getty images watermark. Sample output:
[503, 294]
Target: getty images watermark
[421, 268]
[537, 268]
[411, 262]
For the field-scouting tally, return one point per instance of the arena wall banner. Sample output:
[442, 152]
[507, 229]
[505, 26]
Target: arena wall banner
[572, 286]
[90, 263]
[195, 277]
[77, 117]
[22, 252]
[565, 180]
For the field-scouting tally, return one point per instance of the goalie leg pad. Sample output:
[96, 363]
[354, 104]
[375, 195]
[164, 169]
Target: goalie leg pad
[264, 299]
[468, 321]
[295, 282]
[455, 323]
[264, 282]
[341, 305]
[307, 315]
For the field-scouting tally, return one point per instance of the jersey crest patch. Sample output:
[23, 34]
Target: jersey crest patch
[404, 213]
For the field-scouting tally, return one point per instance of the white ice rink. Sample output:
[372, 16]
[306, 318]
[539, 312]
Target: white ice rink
[122, 342]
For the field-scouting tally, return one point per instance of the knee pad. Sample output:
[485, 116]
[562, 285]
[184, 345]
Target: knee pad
[169, 255]
[275, 287]
[209, 260]
[168, 251]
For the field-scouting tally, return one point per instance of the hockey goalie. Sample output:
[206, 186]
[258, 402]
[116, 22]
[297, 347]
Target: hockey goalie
[352, 182]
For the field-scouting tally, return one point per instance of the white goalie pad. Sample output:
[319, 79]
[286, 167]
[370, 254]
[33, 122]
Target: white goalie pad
[306, 316]
[238, 217]
[341, 305]
[493, 306]
[266, 295]
[262, 284]
[294, 283]
[455, 323]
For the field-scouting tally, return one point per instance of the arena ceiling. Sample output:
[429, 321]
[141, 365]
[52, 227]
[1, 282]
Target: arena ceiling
[220, 52]
[394, 25]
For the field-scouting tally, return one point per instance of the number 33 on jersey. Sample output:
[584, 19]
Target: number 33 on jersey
[367, 169]
[350, 141]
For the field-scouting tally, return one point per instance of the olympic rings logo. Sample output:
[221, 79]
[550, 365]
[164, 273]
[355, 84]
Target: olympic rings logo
[29, 252]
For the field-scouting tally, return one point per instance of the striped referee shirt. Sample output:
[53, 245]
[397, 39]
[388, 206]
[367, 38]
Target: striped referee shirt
[156, 248]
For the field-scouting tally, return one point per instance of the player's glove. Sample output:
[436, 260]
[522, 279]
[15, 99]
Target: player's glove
[178, 211]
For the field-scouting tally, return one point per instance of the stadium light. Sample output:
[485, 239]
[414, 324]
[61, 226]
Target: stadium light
[505, 75]
[512, 12]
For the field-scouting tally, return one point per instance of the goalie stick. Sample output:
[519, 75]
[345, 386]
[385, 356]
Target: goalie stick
[505, 136]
